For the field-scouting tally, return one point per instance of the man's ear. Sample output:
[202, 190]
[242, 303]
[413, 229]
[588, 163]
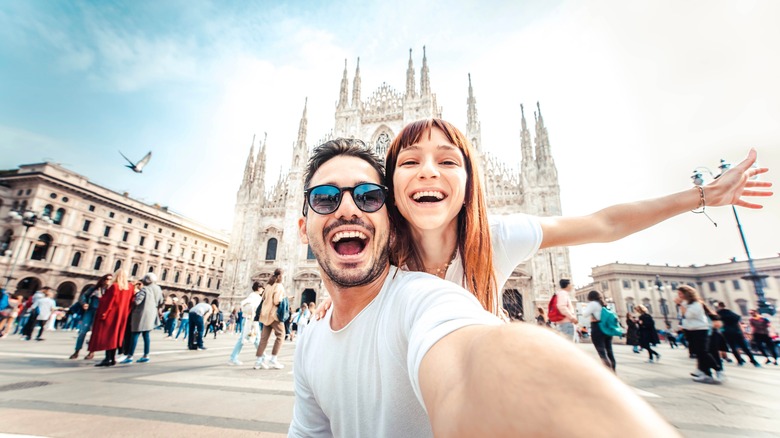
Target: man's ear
[302, 230]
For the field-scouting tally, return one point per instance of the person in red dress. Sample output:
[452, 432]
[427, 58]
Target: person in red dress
[108, 331]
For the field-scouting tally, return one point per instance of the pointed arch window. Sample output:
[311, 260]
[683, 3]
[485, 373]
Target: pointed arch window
[117, 265]
[5, 242]
[98, 263]
[382, 143]
[47, 210]
[134, 272]
[76, 259]
[58, 216]
[41, 249]
[270, 250]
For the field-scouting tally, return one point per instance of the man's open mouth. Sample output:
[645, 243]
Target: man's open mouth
[349, 242]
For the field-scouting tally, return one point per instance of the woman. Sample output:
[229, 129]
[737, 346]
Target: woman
[439, 214]
[697, 326]
[540, 318]
[648, 335]
[602, 342]
[108, 330]
[272, 297]
[632, 332]
[170, 320]
[9, 314]
[144, 316]
[90, 301]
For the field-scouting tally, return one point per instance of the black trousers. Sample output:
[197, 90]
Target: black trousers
[736, 342]
[698, 341]
[603, 344]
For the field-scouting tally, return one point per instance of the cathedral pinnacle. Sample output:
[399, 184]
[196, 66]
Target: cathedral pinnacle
[410, 85]
[249, 163]
[356, 87]
[259, 179]
[425, 82]
[473, 120]
[343, 93]
[525, 141]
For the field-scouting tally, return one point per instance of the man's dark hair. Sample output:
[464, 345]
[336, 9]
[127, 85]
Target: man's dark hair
[256, 286]
[350, 147]
[565, 282]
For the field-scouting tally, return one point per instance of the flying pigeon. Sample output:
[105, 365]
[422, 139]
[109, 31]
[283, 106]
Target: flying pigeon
[139, 166]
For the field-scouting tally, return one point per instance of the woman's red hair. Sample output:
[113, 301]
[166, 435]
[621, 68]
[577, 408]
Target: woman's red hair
[473, 231]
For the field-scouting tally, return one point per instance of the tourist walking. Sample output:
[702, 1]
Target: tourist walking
[248, 306]
[145, 316]
[632, 332]
[90, 300]
[735, 337]
[272, 297]
[696, 324]
[601, 341]
[108, 329]
[759, 329]
[45, 307]
[9, 314]
[171, 319]
[198, 314]
[648, 335]
[184, 323]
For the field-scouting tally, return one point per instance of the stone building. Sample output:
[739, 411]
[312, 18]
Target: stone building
[265, 232]
[86, 231]
[627, 285]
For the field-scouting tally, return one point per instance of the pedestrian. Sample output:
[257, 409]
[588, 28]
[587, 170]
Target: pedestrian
[648, 335]
[170, 320]
[408, 354]
[128, 340]
[601, 341]
[717, 346]
[759, 327]
[46, 307]
[269, 318]
[9, 314]
[735, 337]
[145, 316]
[561, 310]
[540, 318]
[632, 332]
[697, 328]
[215, 323]
[32, 314]
[108, 329]
[90, 301]
[198, 314]
[670, 336]
[248, 306]
[299, 320]
[184, 323]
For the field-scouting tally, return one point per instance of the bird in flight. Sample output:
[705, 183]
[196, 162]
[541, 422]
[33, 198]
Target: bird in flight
[139, 166]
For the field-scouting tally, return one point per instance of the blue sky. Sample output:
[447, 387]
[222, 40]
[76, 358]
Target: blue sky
[634, 94]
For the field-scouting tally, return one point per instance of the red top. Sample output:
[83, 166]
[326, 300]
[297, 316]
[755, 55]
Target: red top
[108, 330]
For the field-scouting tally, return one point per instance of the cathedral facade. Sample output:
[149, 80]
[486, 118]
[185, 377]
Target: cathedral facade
[265, 230]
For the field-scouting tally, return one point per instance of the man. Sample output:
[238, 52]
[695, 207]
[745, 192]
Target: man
[144, 316]
[45, 307]
[565, 306]
[248, 306]
[198, 314]
[732, 331]
[408, 354]
[759, 327]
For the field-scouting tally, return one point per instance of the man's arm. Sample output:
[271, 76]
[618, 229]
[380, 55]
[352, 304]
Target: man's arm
[564, 306]
[522, 380]
[618, 221]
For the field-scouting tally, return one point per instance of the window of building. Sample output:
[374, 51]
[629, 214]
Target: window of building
[125, 235]
[218, 282]
[146, 226]
[199, 280]
[159, 230]
[208, 283]
[713, 286]
[737, 284]
[85, 227]
[53, 195]
[270, 249]
[213, 260]
[626, 284]
[47, 210]
[675, 285]
[91, 208]
[98, 263]
[176, 277]
[630, 305]
[743, 306]
[134, 271]
[193, 256]
[117, 265]
[185, 238]
[309, 253]
[141, 240]
[604, 285]
[111, 214]
[76, 259]
[106, 231]
[170, 248]
[41, 250]
[221, 263]
[23, 206]
[646, 303]
[189, 278]
[19, 193]
[151, 269]
[59, 216]
[65, 199]
[641, 284]
[182, 253]
[156, 244]
[129, 220]
[164, 274]
[204, 258]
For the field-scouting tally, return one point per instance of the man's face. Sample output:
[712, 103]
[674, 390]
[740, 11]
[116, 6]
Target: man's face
[349, 244]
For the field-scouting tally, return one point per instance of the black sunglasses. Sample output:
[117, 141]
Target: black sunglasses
[325, 199]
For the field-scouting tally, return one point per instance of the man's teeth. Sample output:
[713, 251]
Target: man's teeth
[437, 195]
[348, 235]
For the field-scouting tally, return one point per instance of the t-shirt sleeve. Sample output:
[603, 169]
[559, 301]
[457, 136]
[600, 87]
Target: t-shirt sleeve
[308, 419]
[434, 309]
[516, 237]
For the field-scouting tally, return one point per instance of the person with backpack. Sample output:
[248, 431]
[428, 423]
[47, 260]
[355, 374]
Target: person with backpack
[648, 335]
[601, 341]
[273, 299]
[561, 310]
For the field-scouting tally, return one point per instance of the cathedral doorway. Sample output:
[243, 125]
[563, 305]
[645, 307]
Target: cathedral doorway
[308, 296]
[513, 304]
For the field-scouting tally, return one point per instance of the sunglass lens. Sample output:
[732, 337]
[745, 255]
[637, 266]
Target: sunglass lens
[369, 197]
[324, 199]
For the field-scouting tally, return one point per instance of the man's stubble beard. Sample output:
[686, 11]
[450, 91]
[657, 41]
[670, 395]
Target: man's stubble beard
[340, 278]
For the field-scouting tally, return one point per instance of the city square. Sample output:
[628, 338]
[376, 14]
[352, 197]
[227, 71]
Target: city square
[196, 393]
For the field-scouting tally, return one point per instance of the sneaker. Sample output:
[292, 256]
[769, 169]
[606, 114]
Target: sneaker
[126, 360]
[768, 361]
[235, 362]
[275, 365]
[657, 357]
[202, 348]
[697, 373]
[756, 364]
[704, 379]
[143, 360]
[741, 364]
[260, 364]
[650, 361]
[719, 376]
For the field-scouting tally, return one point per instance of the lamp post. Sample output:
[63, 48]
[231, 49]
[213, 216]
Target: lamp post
[29, 219]
[753, 275]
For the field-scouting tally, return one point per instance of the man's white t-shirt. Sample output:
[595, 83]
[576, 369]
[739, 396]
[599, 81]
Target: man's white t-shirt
[363, 379]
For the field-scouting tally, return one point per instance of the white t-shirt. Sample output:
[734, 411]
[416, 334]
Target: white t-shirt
[363, 379]
[593, 309]
[516, 237]
[45, 307]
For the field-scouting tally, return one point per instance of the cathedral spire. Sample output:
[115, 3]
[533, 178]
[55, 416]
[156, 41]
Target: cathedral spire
[410, 85]
[473, 128]
[303, 124]
[300, 151]
[425, 83]
[343, 93]
[249, 164]
[259, 179]
[543, 153]
[356, 87]
[525, 141]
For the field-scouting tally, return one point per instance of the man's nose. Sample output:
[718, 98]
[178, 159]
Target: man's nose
[348, 209]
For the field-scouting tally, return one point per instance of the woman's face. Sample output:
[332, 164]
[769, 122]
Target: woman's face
[430, 182]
